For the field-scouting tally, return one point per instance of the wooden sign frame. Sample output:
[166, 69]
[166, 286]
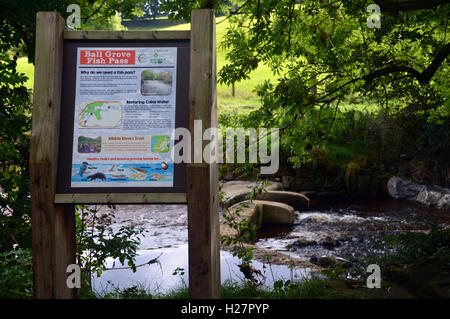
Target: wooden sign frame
[53, 217]
[123, 195]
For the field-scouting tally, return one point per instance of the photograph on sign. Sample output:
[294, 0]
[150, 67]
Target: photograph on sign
[124, 117]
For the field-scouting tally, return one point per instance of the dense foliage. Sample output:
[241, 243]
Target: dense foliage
[328, 57]
[97, 241]
[15, 124]
[16, 276]
[17, 32]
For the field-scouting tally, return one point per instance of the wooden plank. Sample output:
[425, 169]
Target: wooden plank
[53, 239]
[65, 247]
[202, 180]
[122, 198]
[126, 35]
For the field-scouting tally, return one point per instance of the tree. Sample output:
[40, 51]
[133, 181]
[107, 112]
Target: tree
[151, 9]
[17, 32]
[18, 25]
[15, 124]
[325, 53]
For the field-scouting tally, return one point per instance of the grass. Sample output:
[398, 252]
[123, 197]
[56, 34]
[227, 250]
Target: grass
[311, 288]
[23, 66]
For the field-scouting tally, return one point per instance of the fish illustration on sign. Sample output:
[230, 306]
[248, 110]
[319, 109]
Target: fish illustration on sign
[95, 176]
[138, 169]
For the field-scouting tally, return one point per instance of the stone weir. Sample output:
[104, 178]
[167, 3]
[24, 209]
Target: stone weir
[272, 206]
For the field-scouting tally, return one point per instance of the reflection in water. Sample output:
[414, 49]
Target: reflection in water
[160, 278]
[167, 234]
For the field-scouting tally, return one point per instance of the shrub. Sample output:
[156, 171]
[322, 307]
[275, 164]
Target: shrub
[16, 275]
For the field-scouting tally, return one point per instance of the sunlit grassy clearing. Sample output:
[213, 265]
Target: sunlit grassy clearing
[26, 68]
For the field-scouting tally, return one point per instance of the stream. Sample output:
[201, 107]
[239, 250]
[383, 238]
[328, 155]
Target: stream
[349, 230]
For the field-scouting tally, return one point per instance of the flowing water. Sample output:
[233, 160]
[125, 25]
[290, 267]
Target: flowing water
[350, 230]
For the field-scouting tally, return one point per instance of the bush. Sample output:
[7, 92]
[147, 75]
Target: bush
[16, 275]
[15, 124]
[414, 246]
[96, 241]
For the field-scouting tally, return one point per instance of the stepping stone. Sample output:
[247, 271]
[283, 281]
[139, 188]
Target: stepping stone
[258, 213]
[296, 200]
[237, 191]
[275, 213]
[250, 213]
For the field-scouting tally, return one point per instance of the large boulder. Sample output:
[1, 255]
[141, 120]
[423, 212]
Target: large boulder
[330, 243]
[275, 213]
[425, 194]
[296, 200]
[402, 188]
[247, 211]
[256, 213]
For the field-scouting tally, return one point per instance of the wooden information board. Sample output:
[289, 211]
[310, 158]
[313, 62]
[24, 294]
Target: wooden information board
[78, 129]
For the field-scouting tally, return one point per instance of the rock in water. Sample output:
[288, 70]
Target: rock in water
[275, 213]
[444, 202]
[296, 200]
[326, 261]
[314, 260]
[425, 194]
[402, 188]
[330, 243]
[428, 196]
[301, 242]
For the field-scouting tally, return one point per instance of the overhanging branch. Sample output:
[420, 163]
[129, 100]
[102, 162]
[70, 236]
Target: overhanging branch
[408, 5]
[423, 77]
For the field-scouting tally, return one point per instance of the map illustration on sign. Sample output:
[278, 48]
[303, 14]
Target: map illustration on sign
[100, 114]
[160, 143]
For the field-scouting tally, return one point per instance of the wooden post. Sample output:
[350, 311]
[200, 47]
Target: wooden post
[53, 226]
[202, 178]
